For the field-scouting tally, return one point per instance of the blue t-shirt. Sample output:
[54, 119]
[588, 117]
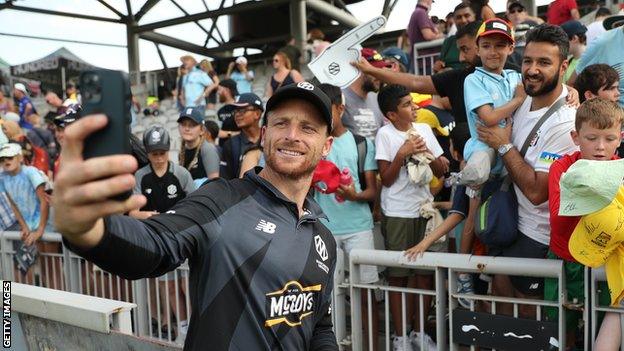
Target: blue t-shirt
[194, 84]
[21, 108]
[22, 190]
[242, 84]
[607, 48]
[347, 217]
[484, 88]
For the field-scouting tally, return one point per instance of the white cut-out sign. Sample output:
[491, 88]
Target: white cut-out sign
[333, 66]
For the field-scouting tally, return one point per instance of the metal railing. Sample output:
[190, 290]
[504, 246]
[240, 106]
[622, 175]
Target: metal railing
[594, 308]
[423, 62]
[160, 302]
[447, 266]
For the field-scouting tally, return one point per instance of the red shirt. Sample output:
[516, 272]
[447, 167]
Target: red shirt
[559, 11]
[561, 227]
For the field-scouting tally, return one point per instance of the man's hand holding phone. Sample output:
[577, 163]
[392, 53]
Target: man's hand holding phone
[84, 188]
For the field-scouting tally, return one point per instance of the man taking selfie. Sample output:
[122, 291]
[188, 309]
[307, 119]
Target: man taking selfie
[261, 263]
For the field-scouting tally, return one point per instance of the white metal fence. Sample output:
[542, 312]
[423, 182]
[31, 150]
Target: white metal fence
[163, 303]
[424, 55]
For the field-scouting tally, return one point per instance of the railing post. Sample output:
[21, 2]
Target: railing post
[7, 257]
[139, 293]
[356, 303]
[338, 309]
[71, 271]
[440, 303]
[563, 297]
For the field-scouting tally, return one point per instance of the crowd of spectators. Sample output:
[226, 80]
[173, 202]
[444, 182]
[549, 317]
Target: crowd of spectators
[416, 147]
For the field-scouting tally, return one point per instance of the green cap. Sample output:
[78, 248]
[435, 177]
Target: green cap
[589, 186]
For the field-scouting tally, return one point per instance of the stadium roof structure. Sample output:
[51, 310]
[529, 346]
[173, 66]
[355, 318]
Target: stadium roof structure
[248, 22]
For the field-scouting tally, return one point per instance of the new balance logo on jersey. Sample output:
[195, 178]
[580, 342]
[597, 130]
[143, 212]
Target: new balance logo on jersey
[266, 227]
[291, 304]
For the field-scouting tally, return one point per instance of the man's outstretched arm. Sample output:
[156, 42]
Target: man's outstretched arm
[419, 84]
[86, 216]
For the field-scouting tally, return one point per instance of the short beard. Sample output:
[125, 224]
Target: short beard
[295, 174]
[304, 171]
[547, 87]
[368, 85]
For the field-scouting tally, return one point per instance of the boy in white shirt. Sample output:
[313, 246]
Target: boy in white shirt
[401, 199]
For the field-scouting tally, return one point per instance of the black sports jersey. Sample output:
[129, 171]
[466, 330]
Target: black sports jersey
[163, 192]
[260, 276]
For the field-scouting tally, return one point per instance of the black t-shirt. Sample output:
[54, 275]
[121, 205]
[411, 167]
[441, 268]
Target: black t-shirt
[226, 116]
[197, 170]
[451, 84]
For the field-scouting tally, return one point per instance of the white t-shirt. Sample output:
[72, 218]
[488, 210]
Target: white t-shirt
[403, 198]
[594, 30]
[551, 142]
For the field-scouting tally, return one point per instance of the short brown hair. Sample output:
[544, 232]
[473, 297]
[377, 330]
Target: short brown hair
[594, 77]
[599, 113]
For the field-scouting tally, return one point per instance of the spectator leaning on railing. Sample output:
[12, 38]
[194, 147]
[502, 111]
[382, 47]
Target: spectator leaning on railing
[25, 186]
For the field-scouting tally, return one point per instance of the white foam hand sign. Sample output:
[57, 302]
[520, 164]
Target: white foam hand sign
[333, 66]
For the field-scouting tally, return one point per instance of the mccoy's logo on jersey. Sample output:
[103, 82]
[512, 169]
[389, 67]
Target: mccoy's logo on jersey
[290, 304]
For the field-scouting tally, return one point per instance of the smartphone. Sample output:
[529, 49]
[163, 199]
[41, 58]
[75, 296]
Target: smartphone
[107, 92]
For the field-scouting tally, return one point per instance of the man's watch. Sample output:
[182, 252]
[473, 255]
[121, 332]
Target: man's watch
[503, 149]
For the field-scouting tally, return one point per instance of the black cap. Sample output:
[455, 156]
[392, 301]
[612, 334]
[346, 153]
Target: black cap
[248, 99]
[573, 27]
[613, 22]
[230, 84]
[156, 138]
[195, 113]
[71, 114]
[515, 3]
[306, 91]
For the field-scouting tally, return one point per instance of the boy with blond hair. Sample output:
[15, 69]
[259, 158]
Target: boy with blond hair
[597, 134]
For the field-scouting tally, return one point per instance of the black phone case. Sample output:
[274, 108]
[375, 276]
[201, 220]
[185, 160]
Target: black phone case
[107, 92]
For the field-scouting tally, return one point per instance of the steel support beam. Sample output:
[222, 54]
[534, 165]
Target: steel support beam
[133, 48]
[388, 7]
[108, 6]
[145, 9]
[331, 11]
[213, 25]
[179, 44]
[10, 6]
[298, 23]
[61, 40]
[164, 63]
[212, 52]
[242, 7]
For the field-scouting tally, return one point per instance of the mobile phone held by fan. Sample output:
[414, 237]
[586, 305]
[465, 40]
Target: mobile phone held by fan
[107, 92]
